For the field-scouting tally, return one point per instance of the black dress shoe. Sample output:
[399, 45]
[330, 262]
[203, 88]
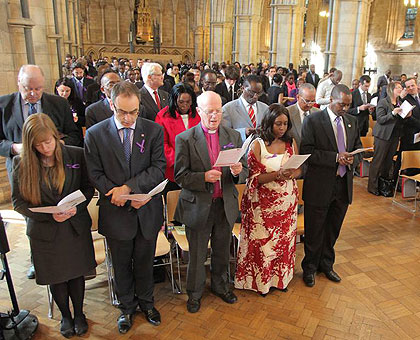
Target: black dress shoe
[31, 272]
[309, 279]
[193, 305]
[333, 276]
[67, 328]
[227, 297]
[124, 323]
[375, 192]
[153, 316]
[80, 325]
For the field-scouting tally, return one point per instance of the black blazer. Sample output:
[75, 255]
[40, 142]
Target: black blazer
[310, 80]
[86, 82]
[43, 226]
[318, 139]
[411, 126]
[93, 93]
[97, 112]
[222, 90]
[362, 115]
[149, 108]
[108, 168]
[11, 116]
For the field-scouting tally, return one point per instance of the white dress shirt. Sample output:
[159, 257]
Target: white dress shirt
[333, 116]
[247, 106]
[323, 93]
[151, 91]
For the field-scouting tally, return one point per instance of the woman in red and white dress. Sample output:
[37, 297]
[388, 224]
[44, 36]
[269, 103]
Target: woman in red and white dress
[266, 256]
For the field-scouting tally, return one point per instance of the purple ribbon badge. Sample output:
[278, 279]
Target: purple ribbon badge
[273, 156]
[230, 145]
[73, 166]
[141, 146]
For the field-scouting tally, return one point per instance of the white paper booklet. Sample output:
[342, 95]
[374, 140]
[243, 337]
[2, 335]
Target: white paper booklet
[295, 161]
[232, 156]
[406, 108]
[355, 152]
[68, 202]
[374, 101]
[143, 197]
[416, 138]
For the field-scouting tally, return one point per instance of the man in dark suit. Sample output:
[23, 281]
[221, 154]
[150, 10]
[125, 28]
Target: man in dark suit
[293, 71]
[312, 77]
[208, 203]
[80, 81]
[153, 99]
[411, 125]
[329, 136]
[208, 82]
[16, 107]
[384, 80]
[124, 155]
[229, 88]
[360, 105]
[101, 110]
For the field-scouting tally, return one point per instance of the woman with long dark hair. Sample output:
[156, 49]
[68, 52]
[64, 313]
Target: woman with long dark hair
[266, 256]
[178, 116]
[61, 243]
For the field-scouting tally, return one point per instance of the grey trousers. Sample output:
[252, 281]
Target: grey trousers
[218, 230]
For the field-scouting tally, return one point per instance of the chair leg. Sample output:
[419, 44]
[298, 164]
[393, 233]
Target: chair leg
[110, 274]
[178, 267]
[50, 303]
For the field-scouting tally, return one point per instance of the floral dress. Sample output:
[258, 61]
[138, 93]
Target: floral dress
[267, 248]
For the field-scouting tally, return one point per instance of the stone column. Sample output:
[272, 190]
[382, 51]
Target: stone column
[174, 9]
[102, 5]
[221, 25]
[287, 31]
[117, 5]
[348, 37]
[87, 4]
[199, 42]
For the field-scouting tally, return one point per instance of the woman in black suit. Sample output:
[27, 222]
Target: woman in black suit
[61, 244]
[386, 132]
[275, 90]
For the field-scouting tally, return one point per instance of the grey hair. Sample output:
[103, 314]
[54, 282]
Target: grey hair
[306, 86]
[148, 69]
[24, 71]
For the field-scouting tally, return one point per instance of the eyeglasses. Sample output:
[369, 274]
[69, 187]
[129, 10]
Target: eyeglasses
[253, 94]
[122, 112]
[212, 112]
[307, 102]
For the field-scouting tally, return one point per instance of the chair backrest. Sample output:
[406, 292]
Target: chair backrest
[367, 141]
[300, 190]
[240, 188]
[171, 202]
[94, 212]
[371, 122]
[410, 159]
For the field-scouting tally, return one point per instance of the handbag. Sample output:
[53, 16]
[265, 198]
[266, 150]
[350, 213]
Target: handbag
[386, 187]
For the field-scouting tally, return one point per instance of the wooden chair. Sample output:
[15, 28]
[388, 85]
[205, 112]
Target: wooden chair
[367, 142]
[409, 160]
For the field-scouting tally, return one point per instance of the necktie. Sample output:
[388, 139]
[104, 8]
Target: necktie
[417, 100]
[127, 144]
[32, 109]
[157, 100]
[364, 98]
[251, 114]
[341, 145]
[231, 92]
[79, 89]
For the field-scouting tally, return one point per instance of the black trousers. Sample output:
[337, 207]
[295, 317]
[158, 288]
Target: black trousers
[382, 161]
[133, 268]
[322, 228]
[219, 231]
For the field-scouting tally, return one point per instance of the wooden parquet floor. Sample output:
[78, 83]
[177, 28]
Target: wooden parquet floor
[378, 258]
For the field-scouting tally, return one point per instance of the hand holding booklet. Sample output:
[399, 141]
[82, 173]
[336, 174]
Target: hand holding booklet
[295, 161]
[232, 156]
[143, 197]
[355, 152]
[406, 109]
[68, 202]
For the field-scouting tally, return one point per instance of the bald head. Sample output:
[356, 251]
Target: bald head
[210, 109]
[31, 83]
[209, 98]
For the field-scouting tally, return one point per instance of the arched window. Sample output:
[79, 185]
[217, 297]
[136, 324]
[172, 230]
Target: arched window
[410, 21]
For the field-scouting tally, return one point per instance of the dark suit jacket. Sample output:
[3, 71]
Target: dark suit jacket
[318, 140]
[310, 80]
[382, 81]
[11, 116]
[191, 162]
[93, 93]
[222, 90]
[43, 226]
[97, 112]
[150, 109]
[411, 126]
[86, 82]
[108, 168]
[362, 115]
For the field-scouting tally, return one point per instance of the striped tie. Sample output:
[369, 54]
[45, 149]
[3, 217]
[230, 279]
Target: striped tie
[32, 109]
[251, 114]
[127, 144]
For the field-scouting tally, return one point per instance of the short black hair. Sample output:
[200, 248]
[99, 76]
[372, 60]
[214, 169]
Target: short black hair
[232, 72]
[277, 78]
[252, 78]
[77, 65]
[208, 71]
[265, 131]
[365, 78]
[338, 90]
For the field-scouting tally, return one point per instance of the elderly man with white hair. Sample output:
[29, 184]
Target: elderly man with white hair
[16, 107]
[153, 99]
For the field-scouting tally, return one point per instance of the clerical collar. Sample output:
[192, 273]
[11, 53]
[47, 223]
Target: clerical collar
[211, 132]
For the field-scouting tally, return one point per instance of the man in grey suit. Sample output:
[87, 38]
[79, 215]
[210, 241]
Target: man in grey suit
[124, 155]
[246, 113]
[101, 110]
[153, 99]
[303, 108]
[208, 203]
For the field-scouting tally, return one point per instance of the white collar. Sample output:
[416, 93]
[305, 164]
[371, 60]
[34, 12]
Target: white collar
[247, 105]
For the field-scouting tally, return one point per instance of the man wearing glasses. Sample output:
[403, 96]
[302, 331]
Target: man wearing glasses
[246, 113]
[208, 203]
[124, 155]
[303, 108]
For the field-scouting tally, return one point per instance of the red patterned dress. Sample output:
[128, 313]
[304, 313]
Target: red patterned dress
[267, 248]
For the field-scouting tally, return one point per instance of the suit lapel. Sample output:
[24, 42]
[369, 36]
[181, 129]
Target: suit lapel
[295, 116]
[114, 142]
[148, 98]
[162, 99]
[349, 133]
[201, 146]
[139, 145]
[224, 140]
[17, 110]
[326, 123]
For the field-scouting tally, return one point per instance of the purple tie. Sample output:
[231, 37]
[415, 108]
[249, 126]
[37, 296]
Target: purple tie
[341, 145]
[80, 89]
